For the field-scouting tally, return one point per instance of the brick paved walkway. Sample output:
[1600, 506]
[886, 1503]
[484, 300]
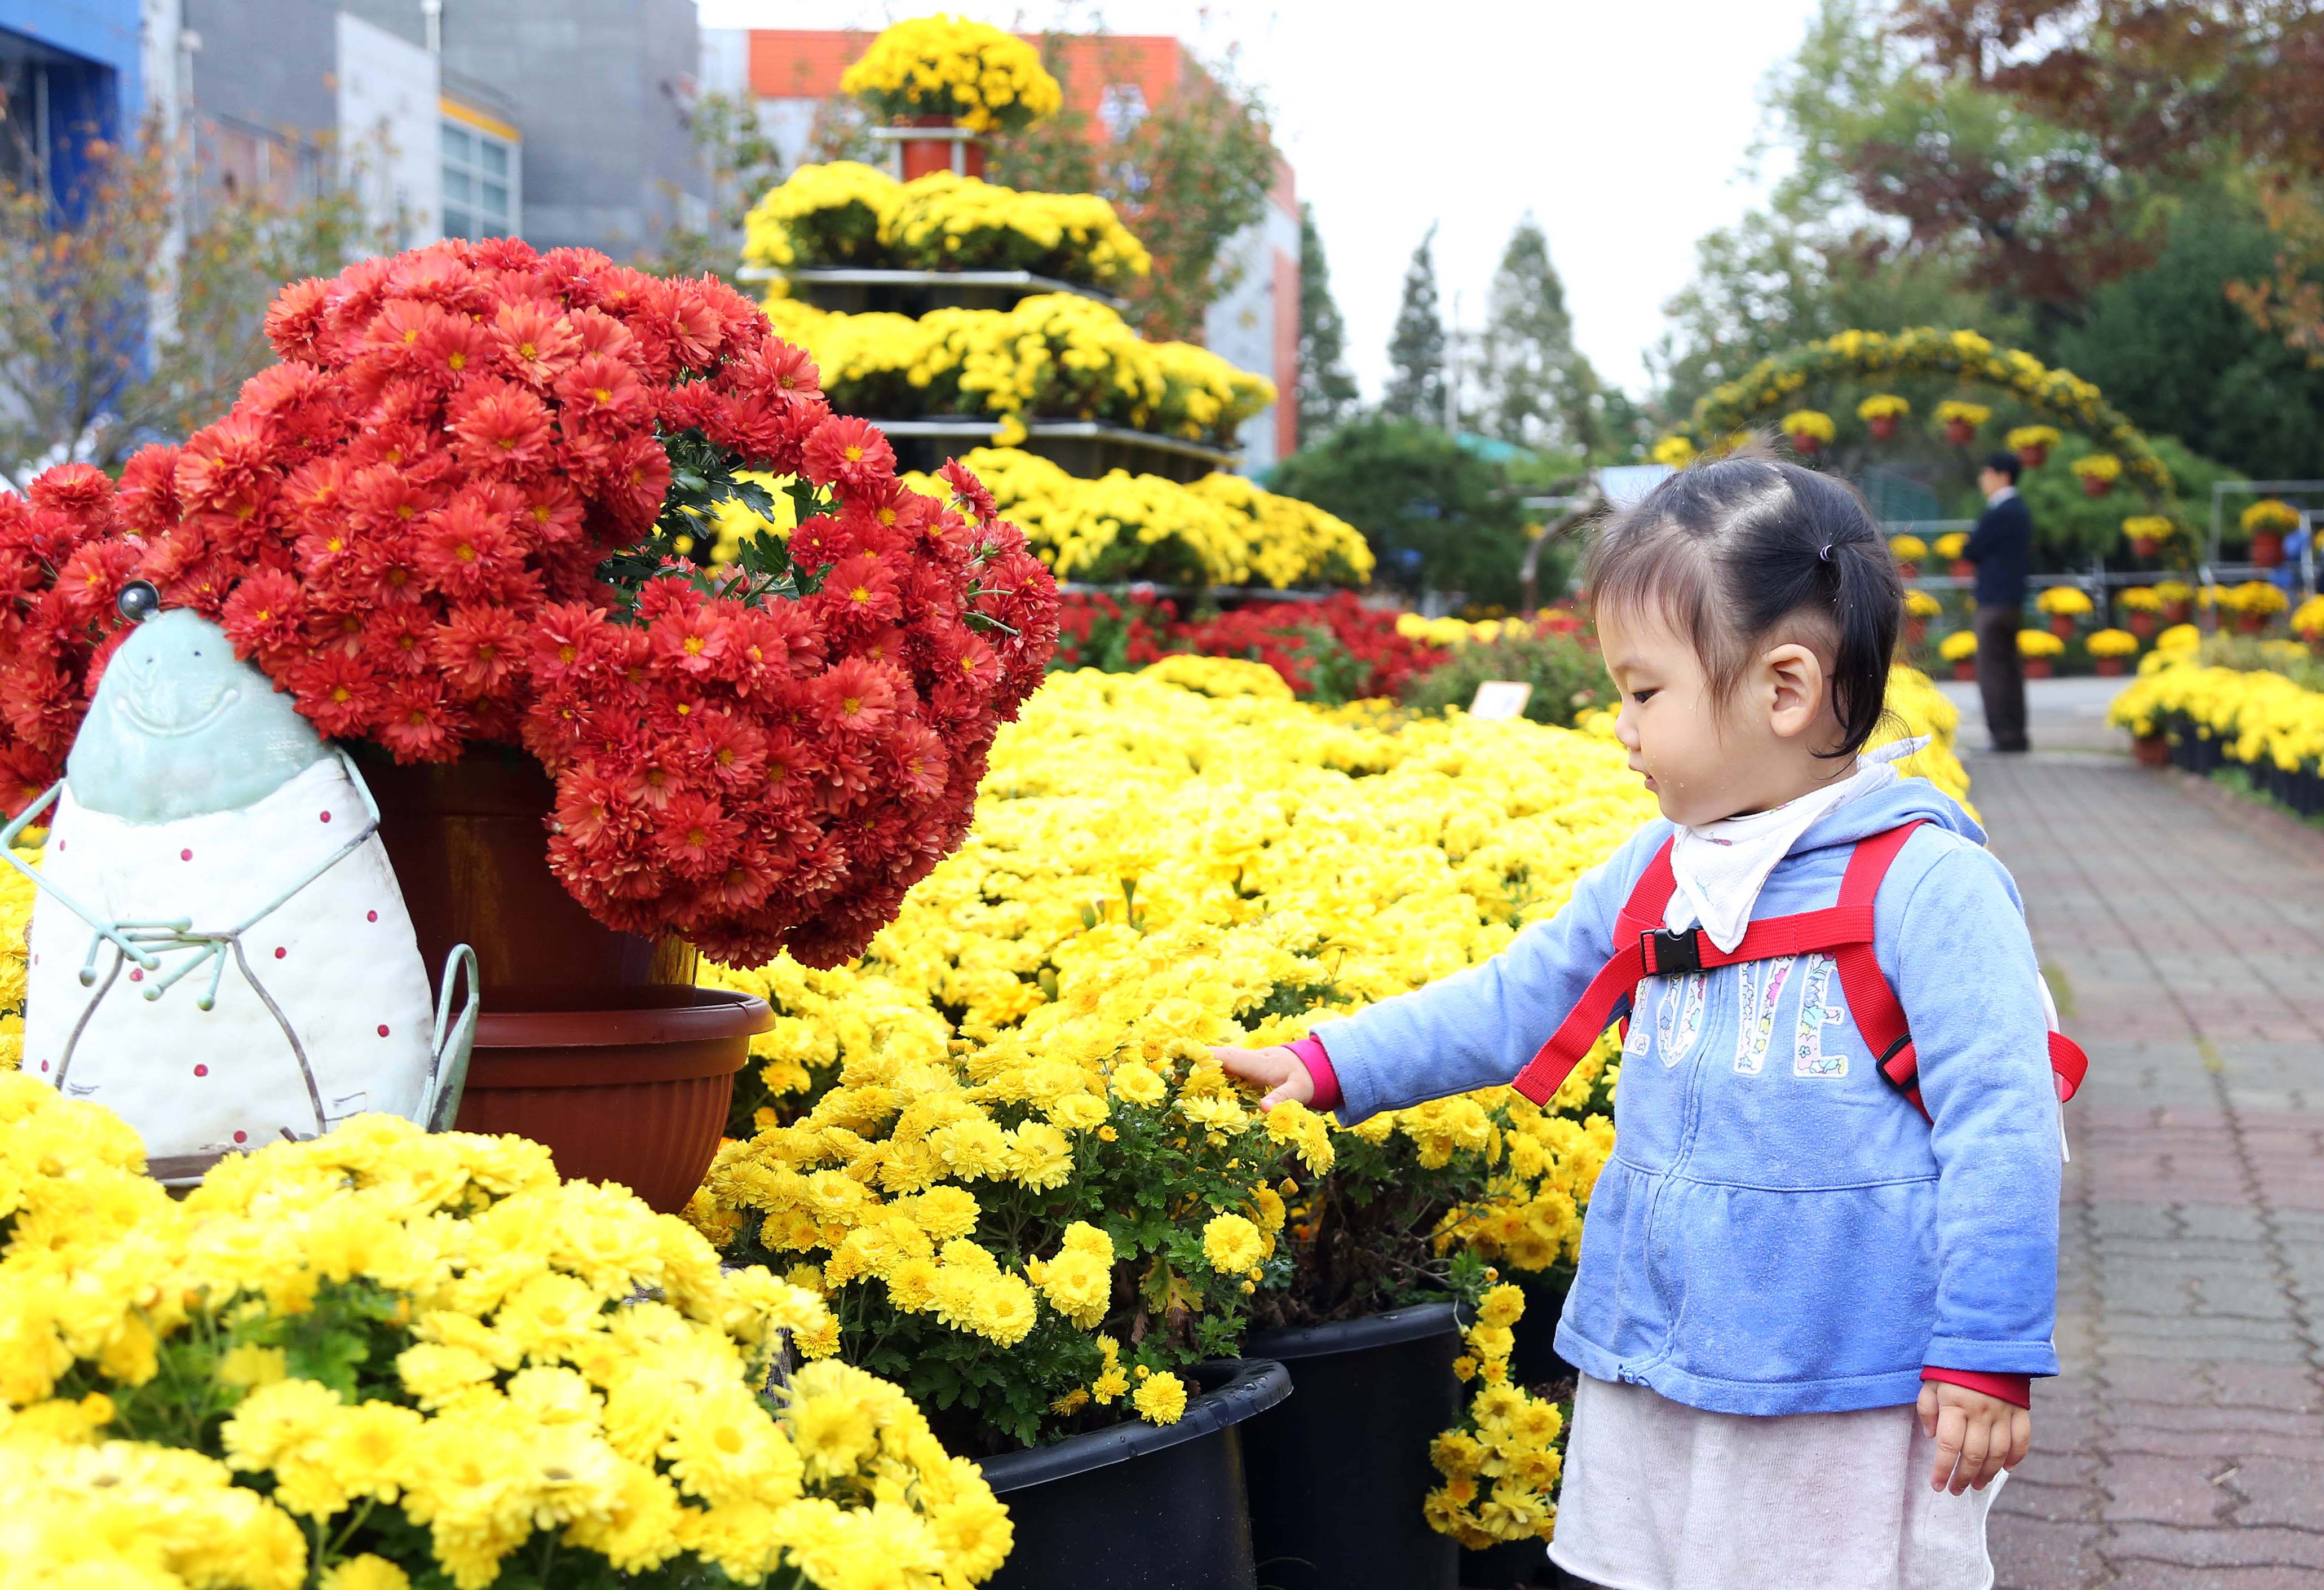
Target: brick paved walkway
[2183, 1448]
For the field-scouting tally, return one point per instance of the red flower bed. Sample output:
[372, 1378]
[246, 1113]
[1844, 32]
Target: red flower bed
[448, 517]
[1337, 648]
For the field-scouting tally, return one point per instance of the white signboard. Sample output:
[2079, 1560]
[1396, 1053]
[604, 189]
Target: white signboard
[1501, 699]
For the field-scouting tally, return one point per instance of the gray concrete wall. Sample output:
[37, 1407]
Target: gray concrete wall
[600, 88]
[267, 63]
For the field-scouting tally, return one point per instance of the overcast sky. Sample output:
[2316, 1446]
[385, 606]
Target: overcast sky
[1621, 123]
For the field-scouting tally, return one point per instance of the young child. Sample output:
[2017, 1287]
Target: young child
[1806, 1312]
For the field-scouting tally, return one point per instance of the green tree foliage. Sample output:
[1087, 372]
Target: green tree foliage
[112, 334]
[1328, 397]
[1437, 515]
[1416, 351]
[1538, 389]
[2167, 345]
[1819, 259]
[1186, 177]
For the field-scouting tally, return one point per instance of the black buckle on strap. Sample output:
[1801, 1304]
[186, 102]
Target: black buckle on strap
[1911, 1079]
[1666, 952]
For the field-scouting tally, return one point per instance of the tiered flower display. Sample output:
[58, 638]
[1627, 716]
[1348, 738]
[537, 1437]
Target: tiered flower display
[1219, 530]
[1054, 355]
[384, 1358]
[969, 72]
[845, 213]
[451, 516]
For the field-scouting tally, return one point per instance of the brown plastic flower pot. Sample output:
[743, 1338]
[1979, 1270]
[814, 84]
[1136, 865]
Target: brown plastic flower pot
[2151, 750]
[2039, 668]
[2061, 624]
[1962, 568]
[2097, 486]
[1959, 433]
[2267, 548]
[1884, 426]
[637, 1096]
[1965, 669]
[592, 1042]
[2108, 667]
[2142, 623]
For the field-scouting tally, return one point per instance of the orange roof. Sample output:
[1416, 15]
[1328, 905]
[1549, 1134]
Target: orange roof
[805, 63]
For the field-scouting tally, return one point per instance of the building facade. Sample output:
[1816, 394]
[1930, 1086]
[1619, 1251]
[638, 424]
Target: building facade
[1115, 79]
[565, 121]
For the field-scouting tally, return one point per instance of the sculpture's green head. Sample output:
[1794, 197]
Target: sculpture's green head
[181, 726]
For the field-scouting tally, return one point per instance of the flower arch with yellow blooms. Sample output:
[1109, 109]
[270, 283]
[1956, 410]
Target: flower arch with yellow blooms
[2061, 397]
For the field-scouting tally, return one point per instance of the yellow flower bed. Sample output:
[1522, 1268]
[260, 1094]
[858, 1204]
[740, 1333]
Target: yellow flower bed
[2039, 643]
[1054, 355]
[2113, 643]
[1919, 604]
[1907, 548]
[980, 77]
[1953, 544]
[846, 213]
[1954, 411]
[1463, 632]
[1219, 530]
[1883, 405]
[2149, 527]
[1958, 646]
[2257, 716]
[431, 1355]
[2097, 466]
[2071, 601]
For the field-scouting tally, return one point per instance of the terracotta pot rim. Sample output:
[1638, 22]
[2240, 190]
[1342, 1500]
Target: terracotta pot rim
[703, 1014]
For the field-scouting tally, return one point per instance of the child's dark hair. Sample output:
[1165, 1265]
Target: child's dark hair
[1733, 550]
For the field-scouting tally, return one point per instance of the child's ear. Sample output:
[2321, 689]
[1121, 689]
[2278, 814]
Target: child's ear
[1796, 689]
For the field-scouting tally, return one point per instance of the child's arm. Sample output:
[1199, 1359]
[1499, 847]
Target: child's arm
[1957, 951]
[1474, 1029]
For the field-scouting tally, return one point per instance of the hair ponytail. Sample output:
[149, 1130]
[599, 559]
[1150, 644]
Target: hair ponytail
[1733, 548]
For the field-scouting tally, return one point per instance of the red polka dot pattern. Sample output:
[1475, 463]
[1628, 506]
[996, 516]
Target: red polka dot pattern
[279, 952]
[202, 1070]
[370, 916]
[241, 1137]
[185, 855]
[327, 817]
[383, 1030]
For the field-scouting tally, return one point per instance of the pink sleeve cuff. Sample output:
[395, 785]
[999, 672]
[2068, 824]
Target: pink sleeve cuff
[2014, 1389]
[1310, 1053]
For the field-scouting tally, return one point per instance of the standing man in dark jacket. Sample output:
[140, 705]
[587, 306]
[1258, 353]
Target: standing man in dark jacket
[1999, 547]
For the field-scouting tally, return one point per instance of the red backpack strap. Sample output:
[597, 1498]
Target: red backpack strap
[1641, 915]
[1879, 1019]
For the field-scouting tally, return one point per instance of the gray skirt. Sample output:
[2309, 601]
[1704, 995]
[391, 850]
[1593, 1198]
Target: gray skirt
[1660, 1496]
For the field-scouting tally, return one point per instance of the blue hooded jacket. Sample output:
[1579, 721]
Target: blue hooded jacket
[1778, 1230]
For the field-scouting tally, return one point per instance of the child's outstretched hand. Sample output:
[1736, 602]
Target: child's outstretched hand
[1977, 1435]
[1275, 1069]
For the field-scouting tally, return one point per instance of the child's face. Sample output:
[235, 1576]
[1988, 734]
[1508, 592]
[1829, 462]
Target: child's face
[1703, 761]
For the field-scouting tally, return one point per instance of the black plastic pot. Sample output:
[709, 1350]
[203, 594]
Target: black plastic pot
[1137, 1506]
[1338, 1474]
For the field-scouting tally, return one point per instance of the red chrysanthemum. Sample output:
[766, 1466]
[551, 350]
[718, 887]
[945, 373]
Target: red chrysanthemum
[848, 452]
[404, 524]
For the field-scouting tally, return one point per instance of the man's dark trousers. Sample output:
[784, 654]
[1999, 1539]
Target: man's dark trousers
[2001, 675]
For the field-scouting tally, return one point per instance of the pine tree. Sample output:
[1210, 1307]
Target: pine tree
[1416, 353]
[1535, 388]
[1327, 392]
